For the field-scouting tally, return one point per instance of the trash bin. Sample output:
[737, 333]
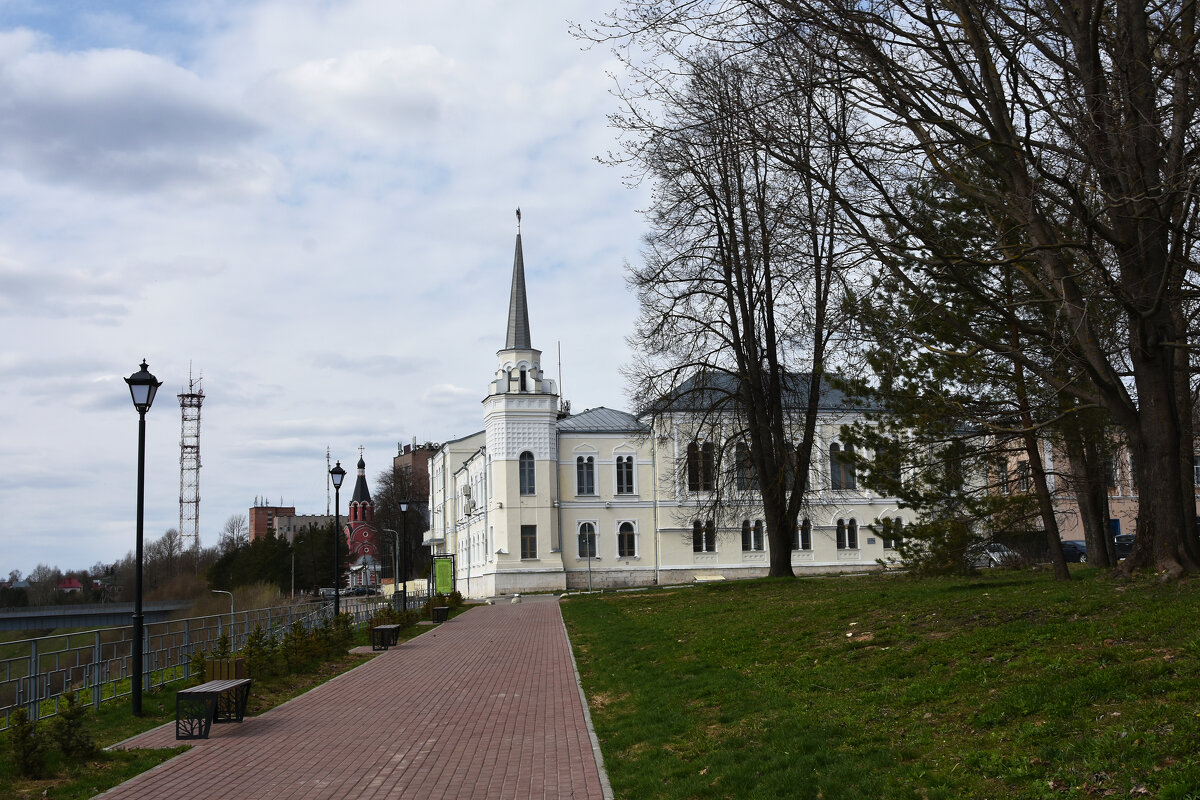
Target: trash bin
[441, 613]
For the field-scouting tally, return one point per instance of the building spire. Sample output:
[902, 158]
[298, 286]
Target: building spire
[518, 308]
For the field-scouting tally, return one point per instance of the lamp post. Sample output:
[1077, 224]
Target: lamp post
[399, 596]
[395, 568]
[142, 388]
[337, 475]
[403, 564]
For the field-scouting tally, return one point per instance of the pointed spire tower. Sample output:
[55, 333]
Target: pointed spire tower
[520, 417]
[520, 368]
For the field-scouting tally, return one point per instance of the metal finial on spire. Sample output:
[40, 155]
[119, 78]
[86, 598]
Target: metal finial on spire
[518, 219]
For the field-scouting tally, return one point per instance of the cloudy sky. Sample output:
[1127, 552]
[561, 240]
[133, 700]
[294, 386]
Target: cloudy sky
[309, 204]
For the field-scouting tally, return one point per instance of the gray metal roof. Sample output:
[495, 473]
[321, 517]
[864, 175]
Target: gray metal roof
[601, 420]
[518, 308]
[717, 391]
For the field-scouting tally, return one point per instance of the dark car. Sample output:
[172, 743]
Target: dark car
[1124, 544]
[1075, 550]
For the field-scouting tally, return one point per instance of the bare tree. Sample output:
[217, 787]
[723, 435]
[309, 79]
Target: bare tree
[1075, 124]
[42, 584]
[235, 533]
[741, 281]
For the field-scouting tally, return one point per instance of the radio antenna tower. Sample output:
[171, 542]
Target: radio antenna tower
[189, 464]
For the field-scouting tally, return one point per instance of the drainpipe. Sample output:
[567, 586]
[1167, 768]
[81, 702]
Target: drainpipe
[654, 474]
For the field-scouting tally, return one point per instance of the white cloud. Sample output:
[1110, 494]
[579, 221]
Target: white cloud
[376, 94]
[120, 120]
[311, 205]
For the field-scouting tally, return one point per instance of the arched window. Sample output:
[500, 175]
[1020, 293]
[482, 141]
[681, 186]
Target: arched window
[743, 468]
[841, 467]
[758, 540]
[806, 534]
[626, 541]
[841, 534]
[587, 540]
[893, 533]
[624, 474]
[701, 464]
[704, 537]
[525, 472]
[852, 535]
[585, 475]
[746, 543]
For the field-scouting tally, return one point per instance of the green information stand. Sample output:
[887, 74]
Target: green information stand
[443, 575]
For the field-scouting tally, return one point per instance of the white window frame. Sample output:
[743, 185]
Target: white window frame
[583, 460]
[637, 540]
[633, 474]
[579, 534]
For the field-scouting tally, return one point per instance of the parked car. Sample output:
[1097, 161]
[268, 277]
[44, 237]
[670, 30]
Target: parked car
[1124, 544]
[993, 554]
[1075, 550]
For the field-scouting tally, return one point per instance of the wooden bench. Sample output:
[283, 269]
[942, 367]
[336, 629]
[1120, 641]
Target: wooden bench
[384, 636]
[197, 708]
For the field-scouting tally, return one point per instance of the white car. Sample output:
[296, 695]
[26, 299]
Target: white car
[993, 554]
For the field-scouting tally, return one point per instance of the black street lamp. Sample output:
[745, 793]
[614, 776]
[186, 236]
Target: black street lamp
[337, 475]
[142, 388]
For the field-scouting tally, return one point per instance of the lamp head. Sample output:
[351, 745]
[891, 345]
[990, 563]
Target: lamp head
[337, 475]
[142, 388]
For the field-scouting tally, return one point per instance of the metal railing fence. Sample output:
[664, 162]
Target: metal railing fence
[37, 673]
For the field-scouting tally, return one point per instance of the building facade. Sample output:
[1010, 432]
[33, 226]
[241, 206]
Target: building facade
[262, 518]
[542, 500]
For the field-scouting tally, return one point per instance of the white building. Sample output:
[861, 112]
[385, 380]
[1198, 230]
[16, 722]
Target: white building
[543, 501]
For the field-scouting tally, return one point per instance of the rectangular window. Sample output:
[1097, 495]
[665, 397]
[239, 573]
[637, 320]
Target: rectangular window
[585, 475]
[529, 541]
[1024, 477]
[624, 474]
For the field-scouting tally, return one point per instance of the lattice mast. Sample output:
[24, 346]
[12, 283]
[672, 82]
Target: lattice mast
[189, 463]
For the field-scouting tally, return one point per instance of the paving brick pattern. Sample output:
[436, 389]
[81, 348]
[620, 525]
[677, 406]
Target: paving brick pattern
[485, 706]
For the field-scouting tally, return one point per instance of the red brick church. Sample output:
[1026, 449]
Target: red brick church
[362, 537]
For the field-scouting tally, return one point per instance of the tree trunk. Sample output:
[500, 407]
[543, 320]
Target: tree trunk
[1156, 446]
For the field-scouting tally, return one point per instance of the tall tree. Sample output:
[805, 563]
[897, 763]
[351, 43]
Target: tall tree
[740, 284]
[1083, 114]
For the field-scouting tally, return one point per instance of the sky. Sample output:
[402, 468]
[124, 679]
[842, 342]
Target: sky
[307, 204]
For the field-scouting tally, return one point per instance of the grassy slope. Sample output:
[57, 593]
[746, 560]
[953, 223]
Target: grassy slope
[1007, 685]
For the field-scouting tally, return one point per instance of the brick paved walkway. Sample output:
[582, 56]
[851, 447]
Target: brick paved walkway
[485, 706]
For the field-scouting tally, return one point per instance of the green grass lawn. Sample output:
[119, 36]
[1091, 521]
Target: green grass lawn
[1008, 685]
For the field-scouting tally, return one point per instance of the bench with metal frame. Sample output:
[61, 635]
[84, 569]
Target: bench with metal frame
[384, 636]
[198, 707]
